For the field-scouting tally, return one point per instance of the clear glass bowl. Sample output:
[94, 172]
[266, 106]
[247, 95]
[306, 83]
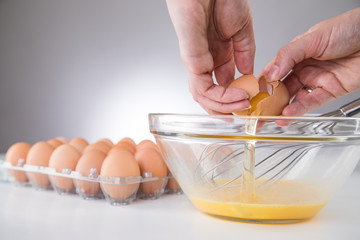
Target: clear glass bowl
[251, 169]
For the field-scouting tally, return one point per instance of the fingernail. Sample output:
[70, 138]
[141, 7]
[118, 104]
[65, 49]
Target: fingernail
[247, 108]
[273, 74]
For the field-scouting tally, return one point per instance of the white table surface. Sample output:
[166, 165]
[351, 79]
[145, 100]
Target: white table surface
[26, 213]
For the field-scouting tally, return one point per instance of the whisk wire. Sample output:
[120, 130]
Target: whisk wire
[224, 157]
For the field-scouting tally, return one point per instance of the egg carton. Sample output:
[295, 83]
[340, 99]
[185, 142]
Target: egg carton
[116, 190]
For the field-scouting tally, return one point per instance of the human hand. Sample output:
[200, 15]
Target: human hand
[214, 37]
[325, 63]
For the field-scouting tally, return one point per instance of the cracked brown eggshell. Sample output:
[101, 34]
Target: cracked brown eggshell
[269, 106]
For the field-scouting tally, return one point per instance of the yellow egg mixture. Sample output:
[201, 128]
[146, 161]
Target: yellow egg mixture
[284, 200]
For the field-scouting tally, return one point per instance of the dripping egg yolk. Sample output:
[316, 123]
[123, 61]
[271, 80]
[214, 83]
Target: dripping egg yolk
[266, 99]
[255, 100]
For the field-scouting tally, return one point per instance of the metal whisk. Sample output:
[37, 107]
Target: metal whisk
[223, 158]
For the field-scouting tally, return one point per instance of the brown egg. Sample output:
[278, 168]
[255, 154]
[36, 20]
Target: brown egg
[120, 164]
[96, 146]
[104, 145]
[147, 144]
[266, 99]
[39, 155]
[121, 148]
[65, 156]
[63, 139]
[173, 185]
[150, 160]
[91, 159]
[55, 142]
[107, 141]
[247, 82]
[16, 155]
[280, 97]
[130, 140]
[79, 143]
[127, 145]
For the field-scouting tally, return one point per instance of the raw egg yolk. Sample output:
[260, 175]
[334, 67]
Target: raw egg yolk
[255, 100]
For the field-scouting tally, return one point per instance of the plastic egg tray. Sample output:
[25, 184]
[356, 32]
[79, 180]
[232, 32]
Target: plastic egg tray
[116, 190]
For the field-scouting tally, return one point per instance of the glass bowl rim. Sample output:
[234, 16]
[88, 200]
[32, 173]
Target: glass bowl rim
[308, 117]
[180, 125]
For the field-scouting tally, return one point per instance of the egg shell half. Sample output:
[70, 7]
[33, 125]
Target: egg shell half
[269, 106]
[247, 82]
[65, 156]
[16, 152]
[39, 155]
[120, 164]
[275, 103]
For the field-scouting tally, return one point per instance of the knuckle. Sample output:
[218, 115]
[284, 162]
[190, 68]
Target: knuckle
[283, 52]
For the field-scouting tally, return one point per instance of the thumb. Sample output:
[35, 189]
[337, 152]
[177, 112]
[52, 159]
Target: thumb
[308, 45]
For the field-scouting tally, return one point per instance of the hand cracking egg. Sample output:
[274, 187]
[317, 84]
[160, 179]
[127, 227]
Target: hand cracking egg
[266, 99]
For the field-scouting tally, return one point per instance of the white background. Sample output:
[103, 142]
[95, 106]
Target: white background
[96, 68]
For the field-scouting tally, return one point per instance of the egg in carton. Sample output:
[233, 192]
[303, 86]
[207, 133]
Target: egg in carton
[4, 174]
[151, 164]
[120, 173]
[172, 186]
[117, 190]
[16, 156]
[39, 156]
